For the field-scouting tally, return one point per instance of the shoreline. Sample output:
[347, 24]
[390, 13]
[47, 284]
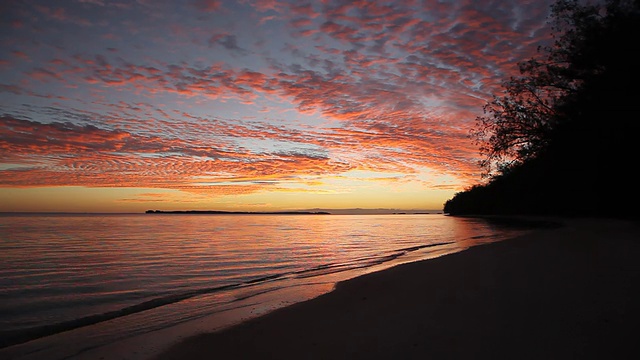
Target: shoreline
[553, 293]
[148, 330]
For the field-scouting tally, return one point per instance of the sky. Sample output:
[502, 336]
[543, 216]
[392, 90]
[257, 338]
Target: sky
[266, 105]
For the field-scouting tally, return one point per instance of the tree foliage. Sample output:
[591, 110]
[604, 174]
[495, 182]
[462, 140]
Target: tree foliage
[519, 125]
[562, 138]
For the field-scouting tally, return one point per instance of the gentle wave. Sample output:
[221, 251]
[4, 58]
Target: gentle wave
[17, 337]
[143, 273]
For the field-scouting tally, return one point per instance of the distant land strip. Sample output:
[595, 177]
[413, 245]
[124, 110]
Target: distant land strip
[238, 212]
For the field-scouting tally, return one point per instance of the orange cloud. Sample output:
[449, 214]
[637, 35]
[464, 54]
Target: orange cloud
[321, 89]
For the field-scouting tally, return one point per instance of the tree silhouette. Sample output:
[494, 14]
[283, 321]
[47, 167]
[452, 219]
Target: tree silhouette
[518, 125]
[562, 135]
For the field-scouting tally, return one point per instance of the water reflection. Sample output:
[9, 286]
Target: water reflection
[58, 269]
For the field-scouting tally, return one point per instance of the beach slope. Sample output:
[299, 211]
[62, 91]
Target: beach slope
[570, 292]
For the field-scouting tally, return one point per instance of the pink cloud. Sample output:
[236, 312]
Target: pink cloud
[392, 85]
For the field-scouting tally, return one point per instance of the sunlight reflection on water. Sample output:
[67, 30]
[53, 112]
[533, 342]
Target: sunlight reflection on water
[58, 269]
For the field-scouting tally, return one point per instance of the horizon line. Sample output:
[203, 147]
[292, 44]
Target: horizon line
[362, 211]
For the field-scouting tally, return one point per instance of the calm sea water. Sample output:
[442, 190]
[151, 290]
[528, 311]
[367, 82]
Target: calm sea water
[144, 272]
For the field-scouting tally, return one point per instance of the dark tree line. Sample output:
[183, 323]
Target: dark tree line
[563, 137]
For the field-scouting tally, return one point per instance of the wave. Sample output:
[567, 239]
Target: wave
[15, 337]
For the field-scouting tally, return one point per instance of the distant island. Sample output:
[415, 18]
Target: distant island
[237, 212]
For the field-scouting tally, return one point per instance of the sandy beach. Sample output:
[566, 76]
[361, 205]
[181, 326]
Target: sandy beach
[567, 293]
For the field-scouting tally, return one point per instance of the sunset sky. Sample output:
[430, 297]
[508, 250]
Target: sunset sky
[267, 105]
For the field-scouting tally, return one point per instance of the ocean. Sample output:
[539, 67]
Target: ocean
[72, 283]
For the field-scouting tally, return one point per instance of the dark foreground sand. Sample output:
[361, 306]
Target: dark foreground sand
[567, 293]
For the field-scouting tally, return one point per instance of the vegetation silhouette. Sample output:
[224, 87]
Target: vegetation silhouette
[563, 138]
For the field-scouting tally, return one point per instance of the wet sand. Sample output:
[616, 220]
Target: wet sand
[566, 293]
